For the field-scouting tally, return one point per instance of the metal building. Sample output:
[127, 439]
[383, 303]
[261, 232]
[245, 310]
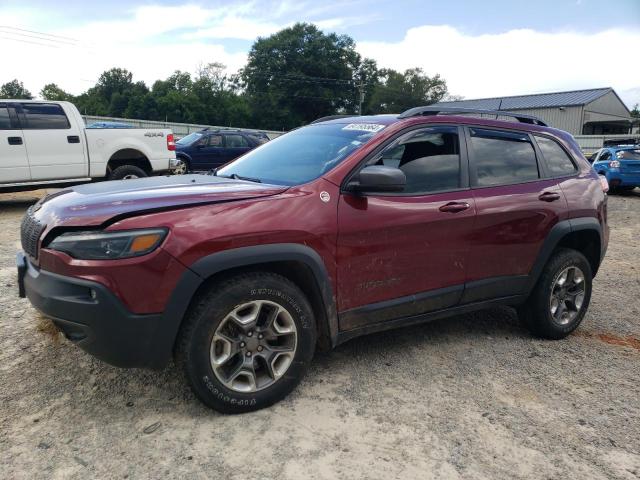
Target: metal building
[597, 111]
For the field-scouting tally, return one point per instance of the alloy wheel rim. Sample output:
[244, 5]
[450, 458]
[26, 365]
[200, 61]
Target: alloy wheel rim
[253, 346]
[567, 295]
[181, 168]
[131, 176]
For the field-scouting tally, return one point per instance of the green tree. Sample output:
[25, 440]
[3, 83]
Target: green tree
[299, 74]
[635, 112]
[51, 91]
[397, 91]
[15, 89]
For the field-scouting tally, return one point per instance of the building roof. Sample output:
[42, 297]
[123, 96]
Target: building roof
[539, 100]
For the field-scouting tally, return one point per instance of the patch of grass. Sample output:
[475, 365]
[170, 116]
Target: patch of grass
[46, 326]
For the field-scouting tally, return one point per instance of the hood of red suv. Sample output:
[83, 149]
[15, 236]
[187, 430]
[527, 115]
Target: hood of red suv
[96, 203]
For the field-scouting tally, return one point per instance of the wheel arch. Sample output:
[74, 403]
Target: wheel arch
[581, 234]
[299, 263]
[129, 156]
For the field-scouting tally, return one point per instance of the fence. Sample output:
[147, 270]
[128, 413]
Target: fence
[179, 129]
[588, 143]
[591, 143]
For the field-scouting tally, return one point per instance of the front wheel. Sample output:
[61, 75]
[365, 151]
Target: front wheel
[182, 167]
[247, 343]
[561, 297]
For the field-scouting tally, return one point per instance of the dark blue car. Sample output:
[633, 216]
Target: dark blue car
[207, 149]
[620, 164]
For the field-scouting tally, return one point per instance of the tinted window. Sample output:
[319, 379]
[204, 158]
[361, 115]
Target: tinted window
[42, 116]
[605, 155]
[5, 121]
[503, 158]
[557, 160]
[235, 141]
[628, 154]
[430, 159]
[214, 141]
[302, 155]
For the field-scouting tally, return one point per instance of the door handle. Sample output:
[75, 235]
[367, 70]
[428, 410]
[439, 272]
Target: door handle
[454, 207]
[73, 139]
[14, 140]
[549, 196]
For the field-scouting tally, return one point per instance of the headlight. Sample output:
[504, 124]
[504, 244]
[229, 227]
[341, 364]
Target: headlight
[93, 245]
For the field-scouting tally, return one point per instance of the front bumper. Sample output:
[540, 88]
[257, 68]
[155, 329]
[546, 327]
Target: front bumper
[94, 318]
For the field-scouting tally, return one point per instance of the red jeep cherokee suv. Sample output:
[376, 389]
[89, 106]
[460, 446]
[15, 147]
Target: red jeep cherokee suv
[341, 228]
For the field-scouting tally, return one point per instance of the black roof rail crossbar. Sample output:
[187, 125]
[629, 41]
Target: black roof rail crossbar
[431, 110]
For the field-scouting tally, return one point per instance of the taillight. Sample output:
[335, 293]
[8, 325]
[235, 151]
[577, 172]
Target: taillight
[604, 183]
[614, 164]
[171, 144]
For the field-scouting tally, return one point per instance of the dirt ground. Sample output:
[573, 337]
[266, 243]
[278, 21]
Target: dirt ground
[471, 397]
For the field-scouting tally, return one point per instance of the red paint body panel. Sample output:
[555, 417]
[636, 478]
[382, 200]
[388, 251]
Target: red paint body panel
[394, 246]
[511, 225]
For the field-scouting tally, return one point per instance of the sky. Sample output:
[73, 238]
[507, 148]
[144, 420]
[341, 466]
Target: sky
[482, 48]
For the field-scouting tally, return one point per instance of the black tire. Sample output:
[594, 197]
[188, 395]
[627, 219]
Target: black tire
[127, 171]
[206, 315]
[536, 312]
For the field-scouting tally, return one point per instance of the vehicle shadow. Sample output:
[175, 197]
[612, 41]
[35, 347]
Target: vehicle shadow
[99, 386]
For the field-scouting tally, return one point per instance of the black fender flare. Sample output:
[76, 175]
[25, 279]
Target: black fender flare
[204, 268]
[555, 235]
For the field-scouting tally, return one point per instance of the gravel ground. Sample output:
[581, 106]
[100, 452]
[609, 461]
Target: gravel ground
[470, 397]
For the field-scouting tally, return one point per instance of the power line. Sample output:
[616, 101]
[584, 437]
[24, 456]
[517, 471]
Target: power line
[7, 27]
[28, 41]
[51, 41]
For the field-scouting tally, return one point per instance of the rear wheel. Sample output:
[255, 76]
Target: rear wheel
[561, 297]
[247, 343]
[127, 172]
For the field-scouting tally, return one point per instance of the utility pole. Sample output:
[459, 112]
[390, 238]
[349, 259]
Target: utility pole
[361, 88]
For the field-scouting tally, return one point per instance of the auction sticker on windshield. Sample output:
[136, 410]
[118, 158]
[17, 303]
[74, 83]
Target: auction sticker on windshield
[364, 127]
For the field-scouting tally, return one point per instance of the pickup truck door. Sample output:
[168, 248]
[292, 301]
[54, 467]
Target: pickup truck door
[55, 143]
[14, 165]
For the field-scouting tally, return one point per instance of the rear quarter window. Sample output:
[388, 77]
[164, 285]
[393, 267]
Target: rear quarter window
[556, 159]
[44, 116]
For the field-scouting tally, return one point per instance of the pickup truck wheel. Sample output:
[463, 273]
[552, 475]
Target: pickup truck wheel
[127, 172]
[247, 342]
[561, 297]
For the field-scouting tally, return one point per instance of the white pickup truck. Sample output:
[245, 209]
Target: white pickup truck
[45, 143]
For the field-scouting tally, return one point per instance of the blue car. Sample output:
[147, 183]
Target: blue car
[620, 164]
[207, 149]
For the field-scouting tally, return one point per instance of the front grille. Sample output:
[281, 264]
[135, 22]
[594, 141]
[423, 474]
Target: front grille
[30, 231]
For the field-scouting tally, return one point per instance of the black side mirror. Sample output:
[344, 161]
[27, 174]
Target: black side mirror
[378, 178]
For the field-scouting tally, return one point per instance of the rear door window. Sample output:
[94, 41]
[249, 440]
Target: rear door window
[502, 158]
[44, 116]
[5, 121]
[235, 141]
[556, 159]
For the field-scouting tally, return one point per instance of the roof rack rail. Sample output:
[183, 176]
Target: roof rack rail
[433, 110]
[330, 117]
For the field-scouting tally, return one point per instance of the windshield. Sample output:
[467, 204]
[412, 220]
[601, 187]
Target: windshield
[301, 155]
[189, 139]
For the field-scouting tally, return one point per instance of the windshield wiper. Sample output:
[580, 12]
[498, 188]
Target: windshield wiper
[235, 176]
